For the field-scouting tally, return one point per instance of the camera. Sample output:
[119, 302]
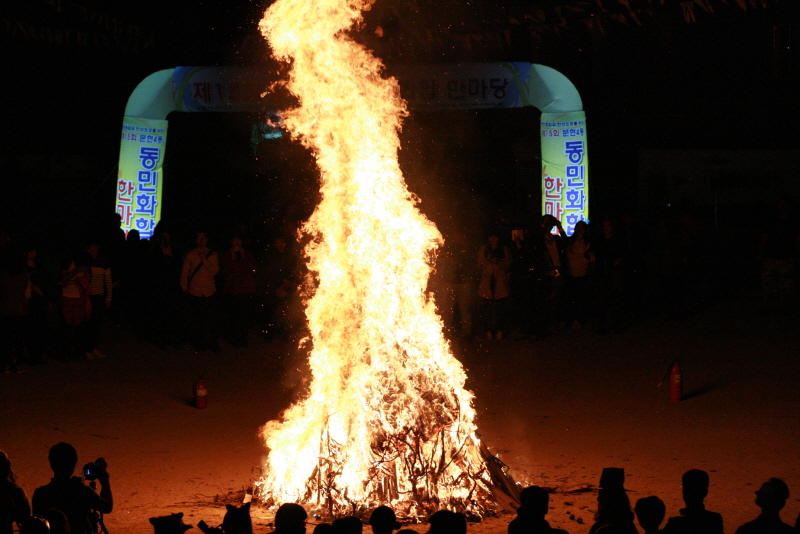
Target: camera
[93, 469]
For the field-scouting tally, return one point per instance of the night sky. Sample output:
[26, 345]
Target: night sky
[720, 77]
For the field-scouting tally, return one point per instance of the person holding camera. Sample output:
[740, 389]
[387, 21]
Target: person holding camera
[14, 507]
[81, 504]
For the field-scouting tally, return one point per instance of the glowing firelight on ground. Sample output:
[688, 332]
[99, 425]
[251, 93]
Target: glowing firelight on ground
[387, 419]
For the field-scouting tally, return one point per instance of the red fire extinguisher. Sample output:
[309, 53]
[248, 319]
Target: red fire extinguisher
[675, 383]
[200, 398]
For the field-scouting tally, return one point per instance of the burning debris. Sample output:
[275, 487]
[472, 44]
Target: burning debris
[387, 418]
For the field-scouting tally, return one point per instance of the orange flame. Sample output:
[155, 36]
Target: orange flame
[387, 419]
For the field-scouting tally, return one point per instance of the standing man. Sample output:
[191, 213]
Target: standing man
[200, 267]
[100, 274]
[79, 502]
[238, 270]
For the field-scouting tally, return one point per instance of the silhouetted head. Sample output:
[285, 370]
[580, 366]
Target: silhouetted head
[383, 520]
[348, 525]
[5, 467]
[63, 459]
[772, 495]
[580, 228]
[695, 486]
[34, 525]
[237, 518]
[291, 519]
[133, 236]
[650, 512]
[447, 522]
[613, 506]
[613, 479]
[323, 528]
[534, 500]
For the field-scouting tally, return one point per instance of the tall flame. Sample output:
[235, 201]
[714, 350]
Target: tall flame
[387, 419]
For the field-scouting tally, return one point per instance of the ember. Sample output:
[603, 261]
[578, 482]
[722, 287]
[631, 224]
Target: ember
[387, 419]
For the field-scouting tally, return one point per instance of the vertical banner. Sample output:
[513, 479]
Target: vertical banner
[565, 168]
[139, 180]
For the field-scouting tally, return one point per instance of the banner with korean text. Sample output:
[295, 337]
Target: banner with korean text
[229, 89]
[465, 86]
[565, 168]
[139, 180]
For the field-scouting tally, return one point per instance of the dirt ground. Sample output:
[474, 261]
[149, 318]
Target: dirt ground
[557, 412]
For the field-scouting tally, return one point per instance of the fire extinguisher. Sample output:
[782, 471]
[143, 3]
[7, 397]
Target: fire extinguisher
[200, 392]
[675, 383]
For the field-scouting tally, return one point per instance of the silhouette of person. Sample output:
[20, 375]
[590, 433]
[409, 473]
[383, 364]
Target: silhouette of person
[14, 507]
[100, 294]
[323, 528]
[548, 265]
[695, 517]
[447, 522]
[277, 281]
[383, 521]
[69, 494]
[530, 516]
[771, 498]
[348, 525]
[610, 263]
[457, 276]
[200, 266]
[523, 282]
[650, 512]
[76, 307]
[614, 514]
[15, 284]
[290, 519]
[238, 267]
[494, 259]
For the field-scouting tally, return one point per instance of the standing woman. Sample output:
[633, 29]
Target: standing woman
[76, 307]
[494, 261]
[579, 258]
[14, 505]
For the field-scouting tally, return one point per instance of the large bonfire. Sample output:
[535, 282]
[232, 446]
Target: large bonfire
[387, 419]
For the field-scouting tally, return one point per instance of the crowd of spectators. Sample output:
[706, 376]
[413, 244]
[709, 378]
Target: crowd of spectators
[69, 504]
[530, 282]
[524, 283]
[174, 292]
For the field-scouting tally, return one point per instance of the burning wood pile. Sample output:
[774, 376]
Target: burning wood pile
[387, 418]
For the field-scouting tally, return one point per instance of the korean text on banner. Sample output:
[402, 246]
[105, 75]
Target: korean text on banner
[218, 89]
[465, 86]
[139, 180]
[565, 168]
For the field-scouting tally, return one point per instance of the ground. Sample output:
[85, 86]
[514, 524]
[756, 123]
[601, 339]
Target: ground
[557, 412]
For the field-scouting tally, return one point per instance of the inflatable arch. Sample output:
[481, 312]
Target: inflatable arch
[565, 176]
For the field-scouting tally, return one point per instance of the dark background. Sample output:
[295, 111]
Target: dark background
[712, 74]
